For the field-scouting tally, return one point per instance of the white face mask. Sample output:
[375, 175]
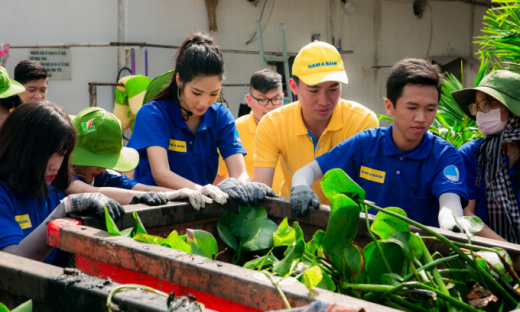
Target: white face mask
[490, 122]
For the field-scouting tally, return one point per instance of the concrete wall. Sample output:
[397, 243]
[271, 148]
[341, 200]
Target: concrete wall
[380, 33]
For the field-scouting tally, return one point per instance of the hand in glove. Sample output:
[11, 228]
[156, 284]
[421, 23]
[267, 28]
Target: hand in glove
[214, 192]
[257, 192]
[235, 189]
[447, 221]
[301, 198]
[197, 200]
[93, 203]
[150, 199]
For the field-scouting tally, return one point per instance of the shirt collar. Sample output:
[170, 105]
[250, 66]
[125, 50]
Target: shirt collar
[251, 123]
[207, 120]
[335, 122]
[419, 152]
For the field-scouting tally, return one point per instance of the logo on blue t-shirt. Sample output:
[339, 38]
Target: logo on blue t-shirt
[452, 173]
[237, 136]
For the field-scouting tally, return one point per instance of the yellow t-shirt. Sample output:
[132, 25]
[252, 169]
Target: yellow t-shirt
[282, 137]
[246, 127]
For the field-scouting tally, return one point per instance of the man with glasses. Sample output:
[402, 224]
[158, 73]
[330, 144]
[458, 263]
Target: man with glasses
[403, 165]
[265, 95]
[296, 134]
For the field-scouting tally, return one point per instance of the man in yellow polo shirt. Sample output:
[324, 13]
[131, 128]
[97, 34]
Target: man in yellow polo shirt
[298, 133]
[265, 94]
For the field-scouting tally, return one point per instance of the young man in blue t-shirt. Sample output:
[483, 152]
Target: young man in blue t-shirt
[402, 165]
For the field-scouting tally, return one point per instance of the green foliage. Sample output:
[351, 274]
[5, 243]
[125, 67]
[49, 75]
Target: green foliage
[24, 307]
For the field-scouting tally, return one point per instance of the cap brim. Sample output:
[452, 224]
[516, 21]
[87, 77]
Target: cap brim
[15, 88]
[157, 85]
[317, 78]
[467, 96]
[126, 161]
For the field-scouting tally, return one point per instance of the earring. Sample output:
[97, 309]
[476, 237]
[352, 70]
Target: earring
[179, 94]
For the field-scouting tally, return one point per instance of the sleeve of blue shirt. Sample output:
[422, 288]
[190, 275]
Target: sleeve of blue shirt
[112, 178]
[470, 164]
[11, 233]
[150, 129]
[228, 141]
[343, 156]
[446, 180]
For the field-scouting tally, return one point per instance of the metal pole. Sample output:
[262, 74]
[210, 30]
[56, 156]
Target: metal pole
[286, 63]
[92, 90]
[260, 44]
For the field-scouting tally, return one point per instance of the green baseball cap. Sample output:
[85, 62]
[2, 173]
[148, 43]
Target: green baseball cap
[100, 142]
[503, 85]
[157, 85]
[8, 87]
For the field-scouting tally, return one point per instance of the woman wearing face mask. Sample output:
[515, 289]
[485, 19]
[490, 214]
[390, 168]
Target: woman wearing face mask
[492, 171]
[178, 132]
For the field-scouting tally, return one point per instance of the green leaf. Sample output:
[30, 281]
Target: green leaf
[409, 243]
[176, 242]
[354, 259]
[205, 242]
[326, 282]
[391, 279]
[255, 263]
[3, 308]
[138, 226]
[494, 259]
[298, 230]
[151, 239]
[373, 263]
[284, 235]
[312, 277]
[246, 213]
[111, 225]
[336, 181]
[24, 307]
[224, 231]
[283, 267]
[471, 225]
[257, 234]
[385, 224]
[127, 232]
[318, 237]
[342, 228]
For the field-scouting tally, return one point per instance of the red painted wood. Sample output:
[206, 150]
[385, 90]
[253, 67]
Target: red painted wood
[53, 230]
[124, 276]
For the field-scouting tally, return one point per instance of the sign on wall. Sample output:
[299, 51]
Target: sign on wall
[57, 61]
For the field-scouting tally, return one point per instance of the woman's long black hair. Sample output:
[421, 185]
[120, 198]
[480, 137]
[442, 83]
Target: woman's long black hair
[30, 135]
[198, 56]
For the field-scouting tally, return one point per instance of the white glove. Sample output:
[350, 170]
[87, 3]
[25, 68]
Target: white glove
[197, 200]
[449, 208]
[215, 193]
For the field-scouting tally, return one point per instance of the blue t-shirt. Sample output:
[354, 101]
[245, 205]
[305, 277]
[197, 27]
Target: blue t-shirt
[468, 152]
[20, 215]
[193, 157]
[411, 180]
[111, 178]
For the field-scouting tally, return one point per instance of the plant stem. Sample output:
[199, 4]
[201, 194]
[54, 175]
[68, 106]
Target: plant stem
[455, 302]
[394, 305]
[453, 271]
[406, 303]
[418, 277]
[282, 294]
[110, 305]
[263, 260]
[388, 269]
[430, 265]
[511, 302]
[453, 281]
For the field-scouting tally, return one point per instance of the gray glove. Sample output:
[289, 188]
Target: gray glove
[257, 192]
[301, 198]
[150, 199]
[93, 203]
[235, 189]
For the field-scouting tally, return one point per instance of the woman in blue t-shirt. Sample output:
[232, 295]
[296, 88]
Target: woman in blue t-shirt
[178, 132]
[37, 139]
[492, 172]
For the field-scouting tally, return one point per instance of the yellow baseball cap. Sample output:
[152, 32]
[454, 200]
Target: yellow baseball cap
[319, 62]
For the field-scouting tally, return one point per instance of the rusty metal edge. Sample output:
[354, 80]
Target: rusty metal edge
[231, 282]
[46, 285]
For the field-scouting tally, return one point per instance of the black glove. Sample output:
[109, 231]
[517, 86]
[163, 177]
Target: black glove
[150, 199]
[301, 198]
[93, 202]
[257, 192]
[235, 189]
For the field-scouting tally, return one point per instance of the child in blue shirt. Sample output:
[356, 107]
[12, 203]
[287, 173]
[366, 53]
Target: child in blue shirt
[403, 165]
[37, 139]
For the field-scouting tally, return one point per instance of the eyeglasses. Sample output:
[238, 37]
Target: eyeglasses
[275, 101]
[484, 106]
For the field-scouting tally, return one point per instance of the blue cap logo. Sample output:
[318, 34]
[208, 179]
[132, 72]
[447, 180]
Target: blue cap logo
[452, 173]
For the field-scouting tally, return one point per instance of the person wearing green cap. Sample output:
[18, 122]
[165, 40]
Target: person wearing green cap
[491, 163]
[99, 156]
[9, 90]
